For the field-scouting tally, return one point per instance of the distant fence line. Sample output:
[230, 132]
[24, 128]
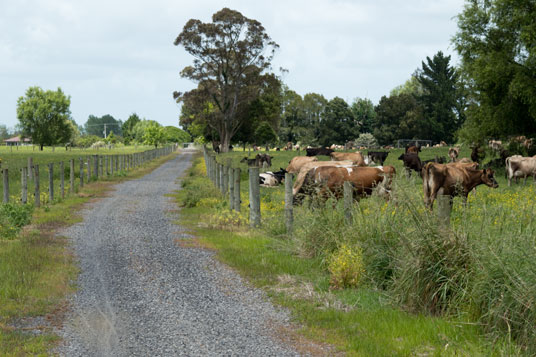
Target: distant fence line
[93, 167]
[227, 180]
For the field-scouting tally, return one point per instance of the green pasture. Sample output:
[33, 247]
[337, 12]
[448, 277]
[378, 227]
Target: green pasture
[477, 271]
[14, 158]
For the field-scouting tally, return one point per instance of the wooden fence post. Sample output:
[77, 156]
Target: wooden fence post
[24, 184]
[225, 179]
[37, 192]
[71, 176]
[236, 198]
[30, 168]
[62, 180]
[289, 214]
[348, 200]
[444, 207]
[96, 166]
[81, 172]
[88, 169]
[51, 182]
[112, 165]
[231, 187]
[217, 183]
[6, 185]
[254, 197]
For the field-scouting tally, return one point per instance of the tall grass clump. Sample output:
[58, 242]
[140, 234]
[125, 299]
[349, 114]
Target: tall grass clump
[198, 186]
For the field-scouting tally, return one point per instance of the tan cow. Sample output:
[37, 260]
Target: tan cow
[453, 180]
[355, 157]
[519, 166]
[330, 179]
[297, 162]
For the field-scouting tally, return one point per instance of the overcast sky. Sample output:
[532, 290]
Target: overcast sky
[117, 57]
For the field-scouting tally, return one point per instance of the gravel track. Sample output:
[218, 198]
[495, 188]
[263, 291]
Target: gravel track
[141, 294]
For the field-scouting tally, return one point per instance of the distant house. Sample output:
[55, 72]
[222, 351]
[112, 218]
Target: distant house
[17, 141]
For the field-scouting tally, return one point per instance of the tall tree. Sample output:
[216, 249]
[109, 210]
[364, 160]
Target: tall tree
[4, 132]
[45, 116]
[232, 54]
[439, 96]
[496, 42]
[338, 123]
[399, 117]
[128, 126]
[364, 113]
[96, 125]
[154, 134]
[292, 117]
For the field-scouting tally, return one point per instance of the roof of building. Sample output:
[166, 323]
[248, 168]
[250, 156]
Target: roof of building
[16, 139]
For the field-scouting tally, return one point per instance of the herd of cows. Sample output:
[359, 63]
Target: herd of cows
[458, 177]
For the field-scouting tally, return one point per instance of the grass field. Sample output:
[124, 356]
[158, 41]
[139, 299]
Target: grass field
[14, 158]
[478, 272]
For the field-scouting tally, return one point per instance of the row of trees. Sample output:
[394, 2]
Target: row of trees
[239, 99]
[45, 117]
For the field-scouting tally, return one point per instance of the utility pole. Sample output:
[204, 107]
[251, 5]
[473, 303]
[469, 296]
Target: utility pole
[105, 130]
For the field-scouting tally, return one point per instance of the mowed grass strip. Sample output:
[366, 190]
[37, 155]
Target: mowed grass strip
[37, 270]
[365, 321]
[14, 159]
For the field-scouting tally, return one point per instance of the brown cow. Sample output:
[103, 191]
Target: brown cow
[330, 179]
[453, 180]
[297, 162]
[356, 157]
[413, 149]
[308, 166]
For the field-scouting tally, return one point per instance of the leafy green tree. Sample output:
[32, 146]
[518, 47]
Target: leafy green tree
[111, 138]
[292, 117]
[412, 86]
[4, 132]
[176, 135]
[338, 123]
[364, 113]
[399, 117]
[438, 81]
[45, 116]
[231, 55]
[154, 134]
[495, 40]
[95, 125]
[139, 129]
[128, 126]
[265, 134]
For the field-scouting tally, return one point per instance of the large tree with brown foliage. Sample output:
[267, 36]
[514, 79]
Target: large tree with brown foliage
[231, 57]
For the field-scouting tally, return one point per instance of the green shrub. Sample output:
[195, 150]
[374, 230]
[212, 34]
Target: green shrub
[13, 217]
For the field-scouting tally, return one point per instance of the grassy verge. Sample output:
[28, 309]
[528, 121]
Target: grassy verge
[364, 321]
[37, 270]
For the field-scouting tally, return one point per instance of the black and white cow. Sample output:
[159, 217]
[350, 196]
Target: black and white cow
[271, 179]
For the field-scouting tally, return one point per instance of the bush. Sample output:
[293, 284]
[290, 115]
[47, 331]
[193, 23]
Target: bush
[367, 140]
[12, 218]
[346, 267]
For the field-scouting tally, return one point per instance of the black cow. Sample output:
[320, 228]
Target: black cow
[378, 156]
[411, 162]
[318, 151]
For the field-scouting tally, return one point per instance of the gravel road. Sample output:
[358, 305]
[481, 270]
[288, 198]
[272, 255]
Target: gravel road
[141, 294]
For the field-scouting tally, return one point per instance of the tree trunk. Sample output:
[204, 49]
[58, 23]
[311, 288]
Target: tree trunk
[225, 142]
[40, 147]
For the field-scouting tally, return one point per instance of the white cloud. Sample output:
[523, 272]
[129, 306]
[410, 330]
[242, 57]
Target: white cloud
[118, 56]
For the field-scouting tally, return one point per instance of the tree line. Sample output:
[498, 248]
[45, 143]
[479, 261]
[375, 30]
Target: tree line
[45, 117]
[238, 98]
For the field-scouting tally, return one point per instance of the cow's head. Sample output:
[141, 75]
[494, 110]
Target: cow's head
[488, 178]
